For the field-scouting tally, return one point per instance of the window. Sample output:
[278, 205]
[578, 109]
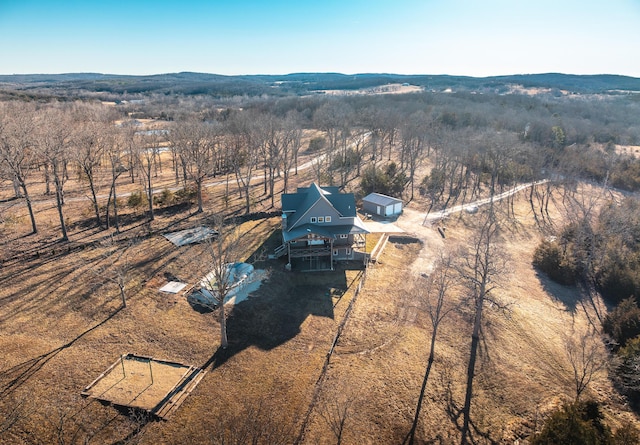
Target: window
[344, 236]
[327, 219]
[320, 219]
[313, 220]
[335, 252]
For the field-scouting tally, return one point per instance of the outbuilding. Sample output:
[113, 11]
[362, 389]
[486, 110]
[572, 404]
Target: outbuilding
[382, 205]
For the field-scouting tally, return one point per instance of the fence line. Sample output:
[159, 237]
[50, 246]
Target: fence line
[323, 373]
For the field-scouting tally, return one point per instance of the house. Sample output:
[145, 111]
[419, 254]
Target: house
[319, 227]
[382, 205]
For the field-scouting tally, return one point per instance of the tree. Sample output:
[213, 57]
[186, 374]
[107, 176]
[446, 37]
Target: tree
[335, 410]
[55, 139]
[115, 151]
[221, 253]
[146, 148]
[293, 130]
[275, 140]
[626, 373]
[413, 144]
[333, 117]
[434, 297]
[196, 144]
[90, 147]
[587, 358]
[388, 181]
[18, 152]
[114, 264]
[245, 145]
[481, 267]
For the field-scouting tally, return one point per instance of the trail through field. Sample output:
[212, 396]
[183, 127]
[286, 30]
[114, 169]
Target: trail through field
[421, 226]
[473, 206]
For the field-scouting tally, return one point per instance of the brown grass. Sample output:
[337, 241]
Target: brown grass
[61, 326]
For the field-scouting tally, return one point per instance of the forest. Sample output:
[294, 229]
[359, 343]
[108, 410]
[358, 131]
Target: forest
[89, 157]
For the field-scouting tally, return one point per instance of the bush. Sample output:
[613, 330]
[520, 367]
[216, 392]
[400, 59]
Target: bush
[625, 374]
[186, 195]
[137, 199]
[625, 435]
[317, 144]
[549, 258]
[164, 198]
[623, 322]
[389, 181]
[579, 423]
[617, 282]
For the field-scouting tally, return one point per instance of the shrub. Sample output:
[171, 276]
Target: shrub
[186, 195]
[317, 144]
[164, 198]
[625, 435]
[549, 258]
[137, 199]
[625, 373]
[618, 281]
[579, 423]
[623, 322]
[388, 181]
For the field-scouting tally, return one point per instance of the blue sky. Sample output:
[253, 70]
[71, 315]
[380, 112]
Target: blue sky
[457, 37]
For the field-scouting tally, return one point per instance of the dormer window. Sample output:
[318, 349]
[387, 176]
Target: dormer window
[320, 219]
[314, 220]
[327, 219]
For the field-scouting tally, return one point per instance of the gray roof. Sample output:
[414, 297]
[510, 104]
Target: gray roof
[379, 199]
[295, 205]
[300, 202]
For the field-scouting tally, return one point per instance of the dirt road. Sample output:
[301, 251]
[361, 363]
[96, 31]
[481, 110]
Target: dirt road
[421, 226]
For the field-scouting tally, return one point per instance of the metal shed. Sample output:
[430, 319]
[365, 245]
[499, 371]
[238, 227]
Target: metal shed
[382, 205]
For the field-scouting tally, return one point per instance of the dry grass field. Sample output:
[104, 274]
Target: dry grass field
[61, 326]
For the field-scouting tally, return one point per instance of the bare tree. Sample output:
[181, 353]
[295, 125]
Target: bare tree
[481, 267]
[221, 253]
[587, 358]
[18, 149]
[55, 138]
[245, 140]
[275, 141]
[293, 130]
[436, 300]
[259, 423]
[146, 147]
[90, 148]
[413, 144]
[332, 117]
[335, 410]
[114, 264]
[196, 143]
[115, 151]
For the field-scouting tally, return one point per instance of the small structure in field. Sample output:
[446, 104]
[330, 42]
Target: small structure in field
[382, 205]
[173, 287]
[239, 277]
[155, 386]
[191, 236]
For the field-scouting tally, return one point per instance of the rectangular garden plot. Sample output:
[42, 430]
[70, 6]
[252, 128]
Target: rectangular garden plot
[155, 386]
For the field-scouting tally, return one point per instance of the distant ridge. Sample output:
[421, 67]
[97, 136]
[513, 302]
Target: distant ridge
[305, 83]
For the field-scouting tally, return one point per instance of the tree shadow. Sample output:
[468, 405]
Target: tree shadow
[274, 313]
[19, 374]
[569, 296]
